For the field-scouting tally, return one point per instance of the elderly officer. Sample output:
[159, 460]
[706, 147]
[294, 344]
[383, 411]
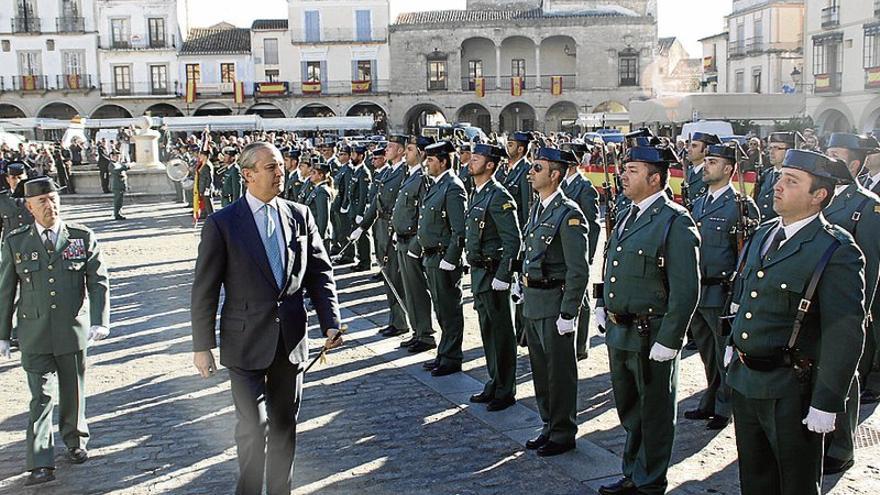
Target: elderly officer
[358, 193]
[779, 144]
[440, 239]
[693, 186]
[493, 241]
[387, 182]
[405, 222]
[13, 212]
[857, 211]
[650, 291]
[118, 183]
[57, 267]
[724, 217]
[799, 310]
[555, 277]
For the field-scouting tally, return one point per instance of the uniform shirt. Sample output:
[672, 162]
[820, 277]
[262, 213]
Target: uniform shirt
[55, 229]
[697, 169]
[873, 180]
[414, 169]
[440, 177]
[256, 206]
[643, 206]
[717, 194]
[790, 231]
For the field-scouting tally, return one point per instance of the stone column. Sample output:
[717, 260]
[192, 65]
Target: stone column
[497, 66]
[538, 66]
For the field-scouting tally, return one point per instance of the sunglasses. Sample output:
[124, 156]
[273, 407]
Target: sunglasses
[537, 167]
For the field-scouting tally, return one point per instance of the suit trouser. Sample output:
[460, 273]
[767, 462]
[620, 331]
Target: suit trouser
[264, 397]
[647, 411]
[117, 203]
[777, 454]
[583, 328]
[494, 312]
[69, 369]
[415, 294]
[104, 172]
[704, 327]
[840, 443]
[445, 287]
[554, 374]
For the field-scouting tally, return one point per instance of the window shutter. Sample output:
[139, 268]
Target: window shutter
[354, 70]
[304, 71]
[323, 75]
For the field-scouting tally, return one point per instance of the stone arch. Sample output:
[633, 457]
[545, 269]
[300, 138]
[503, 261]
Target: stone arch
[560, 116]
[833, 120]
[475, 114]
[266, 110]
[558, 58]
[10, 111]
[421, 115]
[110, 112]
[370, 109]
[610, 106]
[315, 110]
[481, 51]
[517, 116]
[164, 110]
[870, 116]
[518, 48]
[58, 110]
[212, 109]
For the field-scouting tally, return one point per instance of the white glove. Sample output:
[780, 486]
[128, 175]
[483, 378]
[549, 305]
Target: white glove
[516, 294]
[446, 266]
[356, 234]
[601, 318]
[564, 326]
[819, 421]
[97, 332]
[499, 285]
[394, 236]
[661, 353]
[358, 219]
[4, 349]
[728, 355]
[412, 255]
[343, 210]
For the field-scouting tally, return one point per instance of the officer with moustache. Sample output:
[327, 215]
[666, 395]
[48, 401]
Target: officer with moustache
[358, 192]
[779, 144]
[694, 185]
[340, 207]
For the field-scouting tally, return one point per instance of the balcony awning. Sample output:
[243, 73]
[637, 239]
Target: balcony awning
[215, 123]
[717, 106]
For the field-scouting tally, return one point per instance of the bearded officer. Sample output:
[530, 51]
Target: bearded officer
[294, 181]
[799, 310]
[358, 193]
[694, 185]
[555, 277]
[54, 326]
[493, 241]
[649, 294]
[779, 144]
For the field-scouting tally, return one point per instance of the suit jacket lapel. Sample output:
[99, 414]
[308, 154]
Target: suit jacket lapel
[290, 239]
[250, 236]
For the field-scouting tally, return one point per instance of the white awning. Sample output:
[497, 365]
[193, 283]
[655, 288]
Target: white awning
[318, 124]
[215, 123]
[716, 106]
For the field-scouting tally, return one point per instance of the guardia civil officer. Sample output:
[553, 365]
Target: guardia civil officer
[649, 294]
[357, 192]
[339, 208]
[555, 276]
[516, 181]
[13, 211]
[779, 144]
[465, 151]
[799, 309]
[871, 181]
[857, 211]
[440, 239]
[319, 196]
[493, 242]
[724, 217]
[232, 185]
[694, 185]
[65, 305]
[118, 183]
[293, 180]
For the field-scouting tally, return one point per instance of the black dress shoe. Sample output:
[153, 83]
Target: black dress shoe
[537, 442]
[77, 455]
[869, 397]
[552, 448]
[120, 217]
[39, 476]
[481, 398]
[698, 414]
[394, 332]
[377, 277]
[582, 356]
[831, 465]
[422, 346]
[718, 423]
[500, 404]
[361, 268]
[408, 342]
[624, 486]
[430, 365]
[446, 369]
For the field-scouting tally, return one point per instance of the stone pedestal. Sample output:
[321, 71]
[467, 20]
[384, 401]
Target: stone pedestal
[149, 181]
[146, 145]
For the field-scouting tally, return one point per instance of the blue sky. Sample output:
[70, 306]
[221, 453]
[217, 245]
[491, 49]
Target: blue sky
[689, 20]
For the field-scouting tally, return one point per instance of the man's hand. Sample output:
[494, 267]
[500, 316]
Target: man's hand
[356, 234]
[516, 293]
[601, 318]
[204, 361]
[446, 266]
[333, 341]
[499, 285]
[564, 326]
[97, 332]
[358, 219]
[4, 349]
[661, 353]
[819, 421]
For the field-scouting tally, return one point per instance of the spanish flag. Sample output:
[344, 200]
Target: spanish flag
[73, 81]
[197, 200]
[516, 86]
[239, 92]
[191, 91]
[480, 87]
[28, 83]
[360, 86]
[556, 85]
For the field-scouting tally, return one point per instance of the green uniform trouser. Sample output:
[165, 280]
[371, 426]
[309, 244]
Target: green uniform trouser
[343, 228]
[364, 252]
[391, 268]
[554, 373]
[777, 454]
[647, 412]
[117, 203]
[415, 295]
[495, 315]
[445, 287]
[711, 345]
[871, 355]
[840, 443]
[70, 372]
[583, 329]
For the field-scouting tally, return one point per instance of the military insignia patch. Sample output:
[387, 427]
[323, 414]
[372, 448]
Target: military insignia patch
[76, 250]
[876, 208]
[34, 256]
[18, 257]
[574, 222]
[508, 206]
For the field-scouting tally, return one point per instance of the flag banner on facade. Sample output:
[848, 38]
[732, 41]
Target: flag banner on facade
[873, 75]
[73, 81]
[516, 86]
[312, 88]
[239, 92]
[28, 83]
[480, 87]
[360, 86]
[191, 91]
[823, 82]
[271, 88]
[708, 63]
[556, 85]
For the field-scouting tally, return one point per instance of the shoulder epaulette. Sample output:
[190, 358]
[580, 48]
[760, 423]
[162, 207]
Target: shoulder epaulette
[839, 233]
[19, 230]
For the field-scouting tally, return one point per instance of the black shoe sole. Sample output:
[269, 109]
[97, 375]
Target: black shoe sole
[838, 469]
[546, 453]
[500, 406]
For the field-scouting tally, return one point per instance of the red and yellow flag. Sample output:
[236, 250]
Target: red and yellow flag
[29, 83]
[516, 86]
[311, 87]
[873, 77]
[197, 200]
[73, 81]
[191, 91]
[239, 92]
[480, 87]
[555, 85]
[360, 86]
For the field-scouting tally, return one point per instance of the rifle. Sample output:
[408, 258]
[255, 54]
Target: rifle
[610, 194]
[745, 225]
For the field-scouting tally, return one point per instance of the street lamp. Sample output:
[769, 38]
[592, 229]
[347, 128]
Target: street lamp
[797, 77]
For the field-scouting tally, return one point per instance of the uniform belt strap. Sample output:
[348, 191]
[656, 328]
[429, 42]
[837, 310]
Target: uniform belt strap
[806, 301]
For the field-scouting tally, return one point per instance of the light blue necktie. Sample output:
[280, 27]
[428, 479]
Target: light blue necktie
[276, 263]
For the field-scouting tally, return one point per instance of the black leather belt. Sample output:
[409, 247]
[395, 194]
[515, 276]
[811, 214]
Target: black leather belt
[431, 251]
[629, 319]
[542, 283]
[385, 216]
[710, 281]
[488, 264]
[763, 363]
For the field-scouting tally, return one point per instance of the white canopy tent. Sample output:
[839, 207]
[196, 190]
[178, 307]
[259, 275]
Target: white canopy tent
[678, 109]
[318, 124]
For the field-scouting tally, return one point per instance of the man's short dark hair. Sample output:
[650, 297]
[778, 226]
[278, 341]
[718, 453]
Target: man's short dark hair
[823, 183]
[654, 168]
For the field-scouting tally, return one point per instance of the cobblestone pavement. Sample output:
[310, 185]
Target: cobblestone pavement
[371, 419]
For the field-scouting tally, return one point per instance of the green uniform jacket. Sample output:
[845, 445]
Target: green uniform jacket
[555, 250]
[717, 224]
[318, 201]
[119, 179]
[293, 185]
[340, 179]
[492, 233]
[405, 216]
[232, 186]
[464, 175]
[13, 214]
[765, 193]
[695, 185]
[52, 315]
[206, 179]
[358, 191]
[441, 220]
[385, 188]
[581, 191]
[636, 284]
[517, 184]
[768, 294]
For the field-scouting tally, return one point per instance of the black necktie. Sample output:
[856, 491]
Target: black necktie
[50, 245]
[538, 211]
[631, 219]
[774, 244]
[709, 200]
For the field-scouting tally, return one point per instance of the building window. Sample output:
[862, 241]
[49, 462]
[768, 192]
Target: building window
[122, 80]
[270, 51]
[159, 79]
[756, 80]
[227, 73]
[475, 71]
[363, 70]
[7, 46]
[628, 62]
[156, 27]
[120, 34]
[312, 26]
[25, 18]
[193, 72]
[739, 82]
[313, 72]
[436, 74]
[872, 47]
[364, 25]
[30, 63]
[73, 62]
[828, 54]
[518, 67]
[272, 75]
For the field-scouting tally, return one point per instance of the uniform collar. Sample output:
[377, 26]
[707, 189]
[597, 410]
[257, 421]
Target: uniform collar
[55, 230]
[647, 202]
[794, 228]
[571, 178]
[414, 168]
[545, 203]
[441, 176]
[717, 194]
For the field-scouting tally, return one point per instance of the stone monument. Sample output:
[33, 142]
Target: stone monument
[146, 145]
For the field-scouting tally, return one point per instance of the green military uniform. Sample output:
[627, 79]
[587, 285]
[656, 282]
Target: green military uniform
[771, 398]
[206, 188]
[516, 181]
[357, 192]
[293, 185]
[440, 237]
[650, 291]
[118, 184]
[318, 200]
[693, 186]
[339, 209]
[493, 241]
[53, 325]
[764, 197]
[13, 214]
[232, 185]
[871, 362]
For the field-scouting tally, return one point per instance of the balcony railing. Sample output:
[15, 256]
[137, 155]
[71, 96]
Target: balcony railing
[138, 43]
[30, 83]
[2, 84]
[25, 24]
[340, 35]
[872, 78]
[70, 24]
[72, 82]
[736, 49]
[755, 45]
[830, 17]
[346, 87]
[877, 9]
[137, 90]
[827, 83]
[490, 83]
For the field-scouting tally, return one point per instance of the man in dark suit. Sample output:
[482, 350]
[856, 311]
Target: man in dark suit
[263, 318]
[104, 166]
